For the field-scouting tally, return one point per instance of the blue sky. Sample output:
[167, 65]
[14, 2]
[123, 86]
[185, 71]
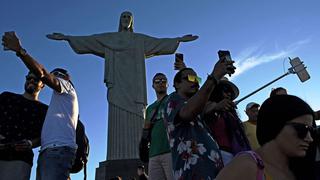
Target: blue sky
[259, 34]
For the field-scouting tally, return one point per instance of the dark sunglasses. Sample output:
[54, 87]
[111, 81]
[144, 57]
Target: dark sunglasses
[158, 81]
[58, 74]
[35, 79]
[302, 129]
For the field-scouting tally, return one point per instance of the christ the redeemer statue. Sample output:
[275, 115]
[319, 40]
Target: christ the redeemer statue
[125, 77]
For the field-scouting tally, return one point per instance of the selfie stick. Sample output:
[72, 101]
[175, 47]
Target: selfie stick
[291, 70]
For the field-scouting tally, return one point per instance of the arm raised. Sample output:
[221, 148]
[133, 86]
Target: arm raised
[12, 42]
[197, 102]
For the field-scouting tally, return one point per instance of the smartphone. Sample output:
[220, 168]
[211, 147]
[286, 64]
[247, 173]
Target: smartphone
[179, 57]
[223, 54]
[300, 69]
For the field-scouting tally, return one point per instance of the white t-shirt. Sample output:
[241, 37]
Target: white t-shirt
[59, 128]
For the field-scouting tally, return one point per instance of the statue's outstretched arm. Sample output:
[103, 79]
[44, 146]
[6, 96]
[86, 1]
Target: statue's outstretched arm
[187, 38]
[57, 36]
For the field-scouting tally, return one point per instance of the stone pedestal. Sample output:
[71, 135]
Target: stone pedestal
[125, 168]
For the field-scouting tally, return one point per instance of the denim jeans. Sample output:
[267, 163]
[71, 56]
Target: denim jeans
[55, 163]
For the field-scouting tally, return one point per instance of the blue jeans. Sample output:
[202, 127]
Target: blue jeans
[55, 163]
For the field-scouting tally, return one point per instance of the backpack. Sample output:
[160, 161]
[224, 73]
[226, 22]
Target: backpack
[82, 151]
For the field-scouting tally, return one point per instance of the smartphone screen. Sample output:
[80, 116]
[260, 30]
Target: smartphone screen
[224, 55]
[300, 69]
[179, 57]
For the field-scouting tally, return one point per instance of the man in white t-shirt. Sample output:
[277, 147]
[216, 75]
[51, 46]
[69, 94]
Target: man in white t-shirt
[58, 135]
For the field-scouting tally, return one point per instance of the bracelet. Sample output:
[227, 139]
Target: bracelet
[211, 77]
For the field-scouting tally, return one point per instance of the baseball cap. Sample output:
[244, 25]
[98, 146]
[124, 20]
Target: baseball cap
[251, 104]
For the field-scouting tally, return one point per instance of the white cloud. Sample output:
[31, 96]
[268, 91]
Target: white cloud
[253, 56]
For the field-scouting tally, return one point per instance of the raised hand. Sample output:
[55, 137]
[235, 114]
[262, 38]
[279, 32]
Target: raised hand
[222, 68]
[10, 41]
[179, 64]
[57, 36]
[187, 38]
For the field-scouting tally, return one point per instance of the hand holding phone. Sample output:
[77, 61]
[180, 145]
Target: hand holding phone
[226, 56]
[179, 64]
[178, 57]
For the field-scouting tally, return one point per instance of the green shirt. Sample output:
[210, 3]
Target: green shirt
[159, 139]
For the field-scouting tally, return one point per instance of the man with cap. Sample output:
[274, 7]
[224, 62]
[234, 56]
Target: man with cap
[223, 121]
[58, 135]
[250, 125]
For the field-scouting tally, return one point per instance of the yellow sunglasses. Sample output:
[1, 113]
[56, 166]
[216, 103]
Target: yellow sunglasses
[193, 78]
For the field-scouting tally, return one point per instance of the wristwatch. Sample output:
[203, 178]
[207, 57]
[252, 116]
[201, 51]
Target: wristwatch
[22, 52]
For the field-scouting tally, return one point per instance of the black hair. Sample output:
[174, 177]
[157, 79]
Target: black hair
[178, 76]
[61, 70]
[275, 112]
[158, 74]
[276, 90]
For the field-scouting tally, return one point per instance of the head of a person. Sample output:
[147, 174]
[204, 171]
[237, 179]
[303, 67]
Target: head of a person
[160, 83]
[140, 170]
[286, 121]
[186, 82]
[61, 73]
[33, 84]
[224, 90]
[252, 110]
[278, 91]
[126, 22]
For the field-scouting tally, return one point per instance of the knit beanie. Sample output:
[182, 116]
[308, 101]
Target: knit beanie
[275, 112]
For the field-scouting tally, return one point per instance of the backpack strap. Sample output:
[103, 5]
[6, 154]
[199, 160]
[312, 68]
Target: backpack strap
[85, 171]
[259, 162]
[156, 112]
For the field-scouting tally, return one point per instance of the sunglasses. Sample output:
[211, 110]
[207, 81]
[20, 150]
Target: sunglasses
[193, 78]
[35, 79]
[158, 81]
[302, 129]
[57, 73]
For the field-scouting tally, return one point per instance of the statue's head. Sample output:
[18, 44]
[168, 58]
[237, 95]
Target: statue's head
[126, 22]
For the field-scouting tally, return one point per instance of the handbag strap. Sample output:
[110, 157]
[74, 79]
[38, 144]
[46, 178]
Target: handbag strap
[259, 162]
